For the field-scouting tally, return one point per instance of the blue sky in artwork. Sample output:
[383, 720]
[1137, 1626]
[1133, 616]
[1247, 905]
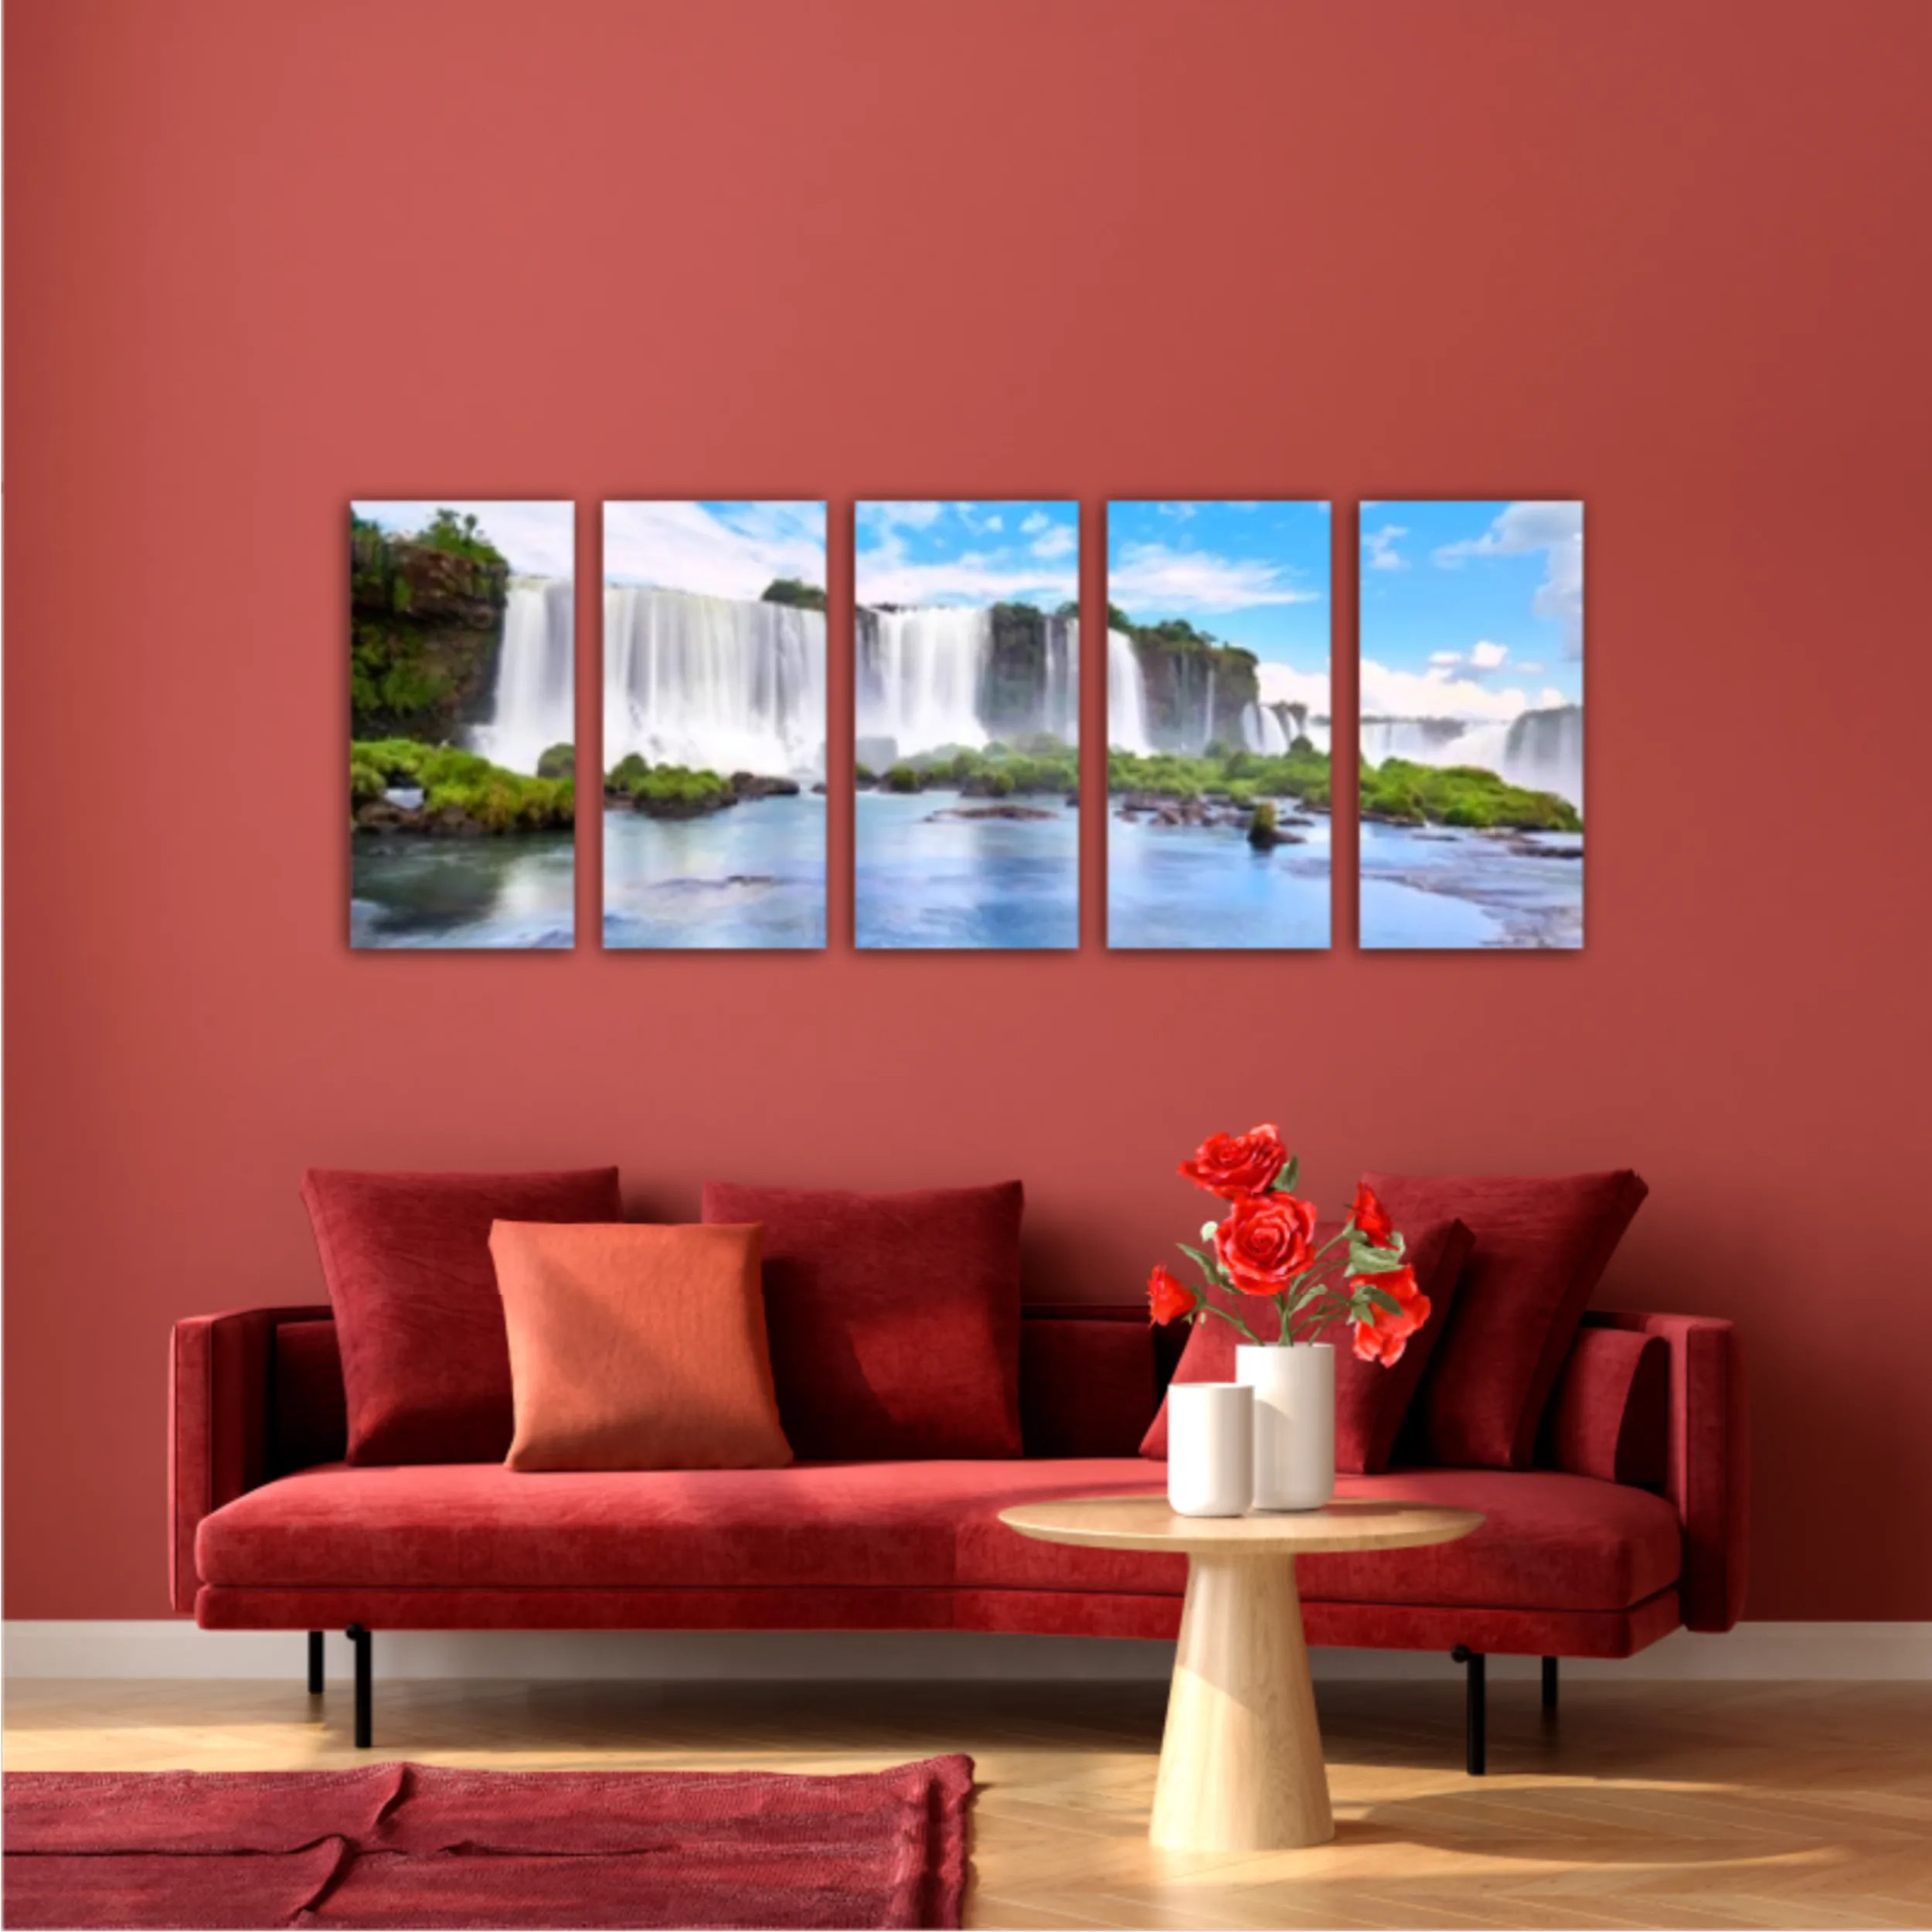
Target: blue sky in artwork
[538, 538]
[715, 548]
[1470, 609]
[967, 553]
[1254, 574]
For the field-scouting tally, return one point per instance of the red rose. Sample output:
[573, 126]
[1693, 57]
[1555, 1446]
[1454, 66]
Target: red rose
[1168, 1297]
[1381, 1336]
[1265, 1239]
[1233, 1165]
[1372, 1218]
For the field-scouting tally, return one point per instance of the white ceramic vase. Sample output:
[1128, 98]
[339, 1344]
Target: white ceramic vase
[1293, 1423]
[1210, 1447]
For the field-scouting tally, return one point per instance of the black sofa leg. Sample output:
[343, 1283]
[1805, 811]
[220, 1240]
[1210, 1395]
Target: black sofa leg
[314, 1663]
[365, 1725]
[1550, 1684]
[1477, 1723]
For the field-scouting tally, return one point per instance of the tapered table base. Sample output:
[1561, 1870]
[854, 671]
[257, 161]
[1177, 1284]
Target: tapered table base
[1241, 1767]
[1241, 1761]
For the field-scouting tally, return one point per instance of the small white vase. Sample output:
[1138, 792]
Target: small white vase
[1293, 1423]
[1210, 1447]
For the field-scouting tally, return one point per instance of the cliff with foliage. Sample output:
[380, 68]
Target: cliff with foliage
[1192, 680]
[1016, 670]
[795, 592]
[426, 628]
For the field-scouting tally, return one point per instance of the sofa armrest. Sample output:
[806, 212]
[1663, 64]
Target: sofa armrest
[221, 1385]
[1707, 1473]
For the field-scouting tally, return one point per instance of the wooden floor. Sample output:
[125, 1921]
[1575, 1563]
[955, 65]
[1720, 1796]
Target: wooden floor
[1644, 1805]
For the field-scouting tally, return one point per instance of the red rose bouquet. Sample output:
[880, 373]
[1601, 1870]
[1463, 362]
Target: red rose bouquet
[1262, 1251]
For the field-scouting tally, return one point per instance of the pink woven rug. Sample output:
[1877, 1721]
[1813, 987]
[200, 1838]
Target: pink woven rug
[408, 1844]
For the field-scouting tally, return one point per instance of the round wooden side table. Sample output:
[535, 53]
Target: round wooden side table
[1241, 1767]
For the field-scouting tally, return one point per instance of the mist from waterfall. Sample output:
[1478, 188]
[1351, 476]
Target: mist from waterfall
[534, 706]
[719, 684]
[1540, 751]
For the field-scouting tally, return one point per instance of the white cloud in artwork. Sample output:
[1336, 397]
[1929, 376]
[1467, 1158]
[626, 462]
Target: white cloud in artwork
[1381, 547]
[1555, 529]
[1032, 525]
[1154, 576]
[914, 516]
[537, 539]
[1439, 692]
[1058, 542]
[728, 551]
[1282, 684]
[886, 575]
[1482, 657]
[1181, 512]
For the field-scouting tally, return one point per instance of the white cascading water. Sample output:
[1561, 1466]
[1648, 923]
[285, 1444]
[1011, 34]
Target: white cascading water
[1126, 696]
[921, 674]
[1268, 729]
[1544, 751]
[534, 705]
[919, 678]
[1059, 712]
[720, 684]
[1541, 750]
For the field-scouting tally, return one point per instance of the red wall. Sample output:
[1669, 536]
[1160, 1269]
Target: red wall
[1669, 260]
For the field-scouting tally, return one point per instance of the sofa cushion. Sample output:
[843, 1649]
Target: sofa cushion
[1090, 1378]
[1548, 1541]
[425, 1368]
[637, 1348]
[1551, 1541]
[1611, 1414]
[1541, 1245]
[1370, 1401]
[884, 1524]
[894, 1318]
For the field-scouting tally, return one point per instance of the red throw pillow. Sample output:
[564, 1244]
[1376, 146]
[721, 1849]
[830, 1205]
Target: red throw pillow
[1370, 1401]
[425, 1365]
[637, 1348]
[894, 1318]
[1541, 1245]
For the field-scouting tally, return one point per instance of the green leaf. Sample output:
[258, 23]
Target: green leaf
[1207, 1231]
[1382, 1299]
[1364, 1259]
[1209, 1273]
[1284, 1182]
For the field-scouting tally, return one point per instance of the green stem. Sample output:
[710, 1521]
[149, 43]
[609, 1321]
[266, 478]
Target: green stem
[1233, 1321]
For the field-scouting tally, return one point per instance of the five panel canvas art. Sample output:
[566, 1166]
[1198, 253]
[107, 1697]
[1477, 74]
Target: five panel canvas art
[966, 669]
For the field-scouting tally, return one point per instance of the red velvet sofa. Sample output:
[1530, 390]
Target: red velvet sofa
[1633, 1524]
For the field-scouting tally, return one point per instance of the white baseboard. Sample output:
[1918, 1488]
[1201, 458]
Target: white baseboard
[171, 1647]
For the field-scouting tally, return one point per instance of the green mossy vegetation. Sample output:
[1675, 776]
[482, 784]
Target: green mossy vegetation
[1395, 791]
[560, 761]
[460, 536]
[680, 785]
[794, 591]
[460, 785]
[425, 627]
[1242, 776]
[1038, 763]
[1464, 796]
[666, 791]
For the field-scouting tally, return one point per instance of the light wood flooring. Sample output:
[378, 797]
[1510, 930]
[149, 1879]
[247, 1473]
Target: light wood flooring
[1643, 1805]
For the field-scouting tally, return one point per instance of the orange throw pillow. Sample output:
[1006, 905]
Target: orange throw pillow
[636, 1347]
